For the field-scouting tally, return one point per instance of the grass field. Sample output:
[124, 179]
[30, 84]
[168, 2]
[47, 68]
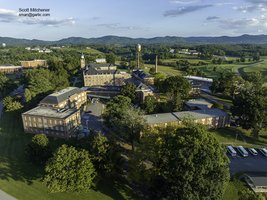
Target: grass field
[239, 136]
[233, 189]
[22, 180]
[169, 71]
[214, 70]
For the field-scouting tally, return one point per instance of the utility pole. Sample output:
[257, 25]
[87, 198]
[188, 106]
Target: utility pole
[156, 64]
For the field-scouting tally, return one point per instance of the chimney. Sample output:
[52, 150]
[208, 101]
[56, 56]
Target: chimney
[156, 64]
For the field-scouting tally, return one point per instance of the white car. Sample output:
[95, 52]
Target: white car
[263, 151]
[253, 151]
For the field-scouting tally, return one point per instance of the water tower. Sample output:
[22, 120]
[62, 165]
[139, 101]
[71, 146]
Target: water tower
[138, 50]
[82, 61]
[3, 45]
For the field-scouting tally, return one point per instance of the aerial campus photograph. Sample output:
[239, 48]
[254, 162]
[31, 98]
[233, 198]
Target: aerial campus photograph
[133, 99]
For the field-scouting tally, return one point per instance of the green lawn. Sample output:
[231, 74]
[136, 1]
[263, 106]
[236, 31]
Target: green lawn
[22, 180]
[239, 136]
[231, 191]
[169, 71]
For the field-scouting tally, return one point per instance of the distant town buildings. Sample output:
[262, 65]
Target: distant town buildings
[39, 49]
[57, 115]
[189, 52]
[10, 69]
[34, 63]
[100, 60]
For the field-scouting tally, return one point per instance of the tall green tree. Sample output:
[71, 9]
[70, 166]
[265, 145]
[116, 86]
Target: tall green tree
[3, 82]
[254, 78]
[177, 85]
[111, 58]
[104, 153]
[124, 119]
[11, 104]
[187, 163]
[38, 149]
[69, 170]
[250, 106]
[129, 90]
[150, 104]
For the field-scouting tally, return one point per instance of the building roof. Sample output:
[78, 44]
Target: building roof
[258, 179]
[9, 66]
[199, 103]
[198, 78]
[60, 96]
[179, 116]
[160, 118]
[200, 114]
[95, 68]
[42, 111]
[139, 85]
[141, 74]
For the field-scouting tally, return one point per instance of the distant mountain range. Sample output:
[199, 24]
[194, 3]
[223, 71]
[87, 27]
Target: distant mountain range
[243, 39]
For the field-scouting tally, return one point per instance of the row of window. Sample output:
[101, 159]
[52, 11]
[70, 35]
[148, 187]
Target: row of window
[42, 120]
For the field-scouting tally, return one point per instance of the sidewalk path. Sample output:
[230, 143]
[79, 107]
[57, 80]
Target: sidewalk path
[5, 196]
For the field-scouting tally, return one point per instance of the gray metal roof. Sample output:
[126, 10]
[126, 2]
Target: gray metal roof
[60, 96]
[160, 118]
[259, 181]
[199, 103]
[94, 69]
[41, 111]
[179, 116]
[200, 114]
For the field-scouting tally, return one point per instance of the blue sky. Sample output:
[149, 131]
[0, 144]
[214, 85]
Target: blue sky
[133, 18]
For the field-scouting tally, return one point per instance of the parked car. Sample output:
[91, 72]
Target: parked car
[253, 151]
[231, 150]
[242, 151]
[263, 151]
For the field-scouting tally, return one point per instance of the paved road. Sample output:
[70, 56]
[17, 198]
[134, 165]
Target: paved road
[5, 196]
[248, 164]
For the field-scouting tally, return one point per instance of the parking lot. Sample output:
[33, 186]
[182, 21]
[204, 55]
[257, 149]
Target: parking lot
[251, 163]
[92, 118]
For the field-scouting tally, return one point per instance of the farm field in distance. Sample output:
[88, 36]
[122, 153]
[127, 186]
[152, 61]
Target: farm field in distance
[213, 70]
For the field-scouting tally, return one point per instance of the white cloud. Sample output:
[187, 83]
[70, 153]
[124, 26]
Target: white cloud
[248, 25]
[185, 9]
[7, 15]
